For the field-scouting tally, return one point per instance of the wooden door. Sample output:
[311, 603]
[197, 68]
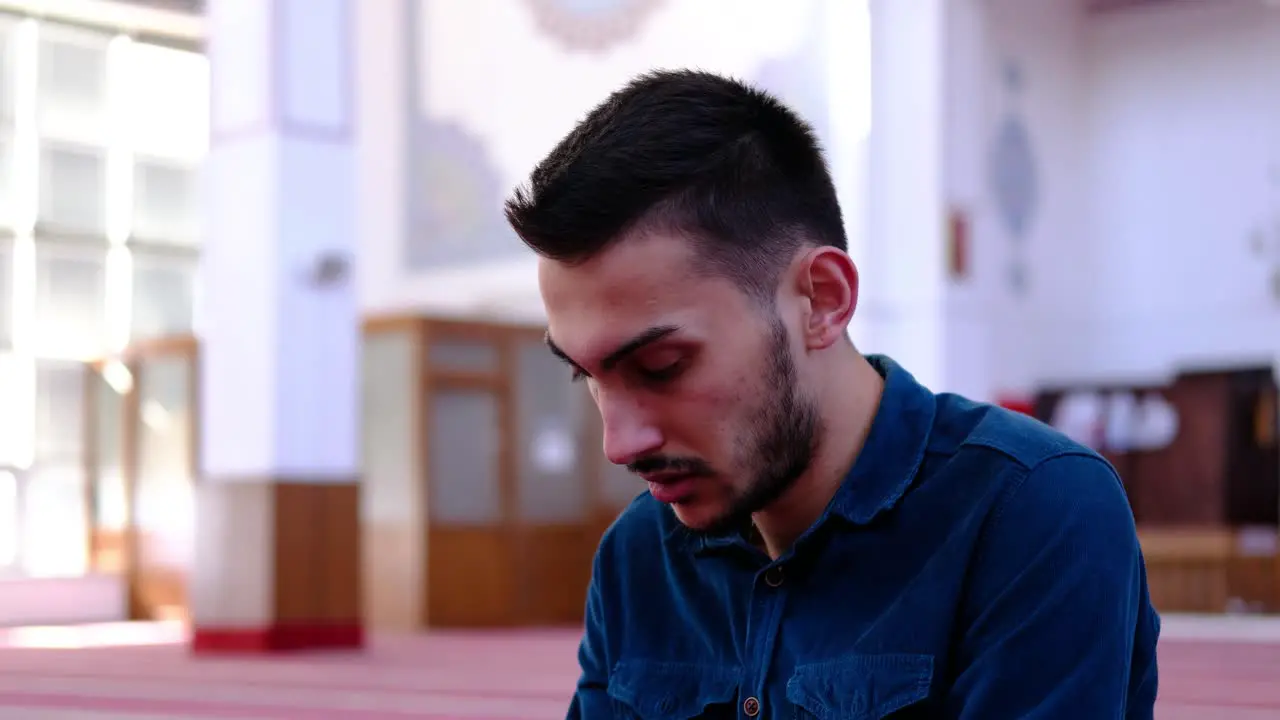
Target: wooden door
[1253, 451]
[163, 484]
[510, 503]
[141, 425]
[472, 575]
[108, 391]
[11, 521]
[554, 503]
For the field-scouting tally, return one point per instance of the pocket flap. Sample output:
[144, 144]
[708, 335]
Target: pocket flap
[861, 687]
[671, 690]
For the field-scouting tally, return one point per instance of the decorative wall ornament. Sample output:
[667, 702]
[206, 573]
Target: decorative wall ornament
[1014, 178]
[456, 200]
[1264, 242]
[591, 25]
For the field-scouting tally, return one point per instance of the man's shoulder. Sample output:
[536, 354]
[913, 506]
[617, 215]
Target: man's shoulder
[1027, 468]
[1018, 438]
[1010, 453]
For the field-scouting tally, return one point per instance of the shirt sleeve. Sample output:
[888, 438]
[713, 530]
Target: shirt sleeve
[591, 699]
[1056, 598]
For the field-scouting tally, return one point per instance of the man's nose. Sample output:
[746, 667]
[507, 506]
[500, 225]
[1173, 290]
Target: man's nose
[628, 433]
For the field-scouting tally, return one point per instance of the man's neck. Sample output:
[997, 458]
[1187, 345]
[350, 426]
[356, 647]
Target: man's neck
[847, 412]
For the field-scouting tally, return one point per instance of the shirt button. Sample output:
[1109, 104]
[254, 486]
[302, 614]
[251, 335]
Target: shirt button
[773, 577]
[751, 707]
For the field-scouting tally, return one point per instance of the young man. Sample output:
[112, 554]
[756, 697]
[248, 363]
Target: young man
[823, 537]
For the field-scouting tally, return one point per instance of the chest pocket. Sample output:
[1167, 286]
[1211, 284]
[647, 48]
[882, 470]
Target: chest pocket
[672, 691]
[860, 687]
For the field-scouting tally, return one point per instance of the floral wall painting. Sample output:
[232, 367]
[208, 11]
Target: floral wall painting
[591, 25]
[456, 199]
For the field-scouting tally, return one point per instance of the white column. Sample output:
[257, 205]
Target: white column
[972, 300]
[903, 283]
[925, 160]
[280, 337]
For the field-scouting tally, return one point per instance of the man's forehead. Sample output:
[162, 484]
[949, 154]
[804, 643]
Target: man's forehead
[588, 332]
[638, 259]
[633, 287]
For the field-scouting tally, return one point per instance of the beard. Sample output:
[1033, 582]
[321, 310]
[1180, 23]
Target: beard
[780, 442]
[777, 445]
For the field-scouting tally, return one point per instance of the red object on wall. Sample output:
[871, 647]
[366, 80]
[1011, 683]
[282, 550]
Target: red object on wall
[1017, 403]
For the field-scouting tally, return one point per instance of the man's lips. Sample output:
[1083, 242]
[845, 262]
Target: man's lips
[670, 487]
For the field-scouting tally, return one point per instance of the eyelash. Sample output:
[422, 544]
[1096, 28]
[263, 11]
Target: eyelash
[663, 374]
[660, 375]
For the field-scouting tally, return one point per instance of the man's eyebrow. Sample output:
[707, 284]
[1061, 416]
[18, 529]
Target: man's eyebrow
[610, 361]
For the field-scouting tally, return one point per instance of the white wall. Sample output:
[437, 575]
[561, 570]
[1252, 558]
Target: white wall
[1182, 168]
[1156, 146]
[454, 116]
[1031, 77]
[1155, 153]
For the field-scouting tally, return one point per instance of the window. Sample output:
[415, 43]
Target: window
[166, 201]
[6, 180]
[7, 72]
[6, 294]
[99, 134]
[165, 101]
[71, 84]
[59, 436]
[70, 298]
[54, 521]
[9, 520]
[163, 292]
[16, 412]
[73, 189]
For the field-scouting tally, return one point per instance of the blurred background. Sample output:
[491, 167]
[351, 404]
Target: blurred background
[255, 246]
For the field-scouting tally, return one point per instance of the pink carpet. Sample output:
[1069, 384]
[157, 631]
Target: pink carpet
[140, 672]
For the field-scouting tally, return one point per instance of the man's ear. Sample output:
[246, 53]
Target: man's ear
[827, 278]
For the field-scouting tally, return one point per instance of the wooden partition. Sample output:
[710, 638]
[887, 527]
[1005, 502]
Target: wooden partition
[141, 424]
[484, 494]
[1208, 503]
[1222, 467]
[1212, 570]
[483, 475]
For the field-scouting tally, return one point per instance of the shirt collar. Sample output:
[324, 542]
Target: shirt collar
[887, 463]
[894, 447]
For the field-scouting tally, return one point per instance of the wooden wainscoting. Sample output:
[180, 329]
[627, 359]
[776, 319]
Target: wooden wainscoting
[1187, 568]
[107, 553]
[558, 560]
[473, 578]
[1209, 570]
[1254, 573]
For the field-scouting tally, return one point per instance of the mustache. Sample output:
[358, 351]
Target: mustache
[660, 464]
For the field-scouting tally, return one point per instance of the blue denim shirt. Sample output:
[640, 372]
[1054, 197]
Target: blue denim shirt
[974, 564]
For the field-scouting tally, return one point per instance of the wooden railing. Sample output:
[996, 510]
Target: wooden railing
[1212, 570]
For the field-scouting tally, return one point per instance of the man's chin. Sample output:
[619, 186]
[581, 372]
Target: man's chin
[696, 515]
[706, 518]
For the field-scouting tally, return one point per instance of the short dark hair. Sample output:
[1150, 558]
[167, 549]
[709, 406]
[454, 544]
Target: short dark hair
[726, 164]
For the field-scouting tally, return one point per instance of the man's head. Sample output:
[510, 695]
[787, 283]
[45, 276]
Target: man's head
[693, 267]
